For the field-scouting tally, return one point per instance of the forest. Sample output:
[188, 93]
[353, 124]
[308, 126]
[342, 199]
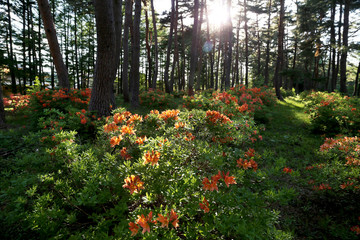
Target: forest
[177, 119]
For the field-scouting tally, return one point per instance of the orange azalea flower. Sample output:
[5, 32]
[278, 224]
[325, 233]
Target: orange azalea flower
[151, 157]
[170, 114]
[118, 118]
[83, 121]
[245, 164]
[144, 222]
[110, 127]
[287, 170]
[355, 229]
[164, 220]
[250, 153]
[210, 186]
[134, 118]
[205, 205]
[124, 153]
[180, 125]
[174, 218]
[140, 140]
[133, 183]
[127, 130]
[115, 140]
[133, 228]
[229, 180]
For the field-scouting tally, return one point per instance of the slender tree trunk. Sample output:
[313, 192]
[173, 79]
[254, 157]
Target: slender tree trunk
[11, 65]
[76, 48]
[194, 47]
[24, 45]
[333, 46]
[357, 86]
[49, 26]
[135, 61]
[148, 41]
[218, 65]
[40, 49]
[199, 65]
[117, 11]
[183, 64]
[280, 57]
[237, 56]
[246, 45]
[2, 109]
[168, 52]
[176, 47]
[125, 74]
[154, 77]
[267, 61]
[228, 49]
[105, 72]
[344, 51]
[339, 46]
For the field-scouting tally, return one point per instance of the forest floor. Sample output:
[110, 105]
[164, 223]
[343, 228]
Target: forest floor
[289, 141]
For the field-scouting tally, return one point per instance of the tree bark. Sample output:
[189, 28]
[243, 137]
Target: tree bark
[357, 86]
[194, 47]
[2, 109]
[267, 61]
[246, 45]
[339, 44]
[168, 52]
[154, 78]
[280, 57]
[117, 11]
[105, 72]
[11, 65]
[125, 74]
[135, 61]
[345, 46]
[228, 49]
[50, 31]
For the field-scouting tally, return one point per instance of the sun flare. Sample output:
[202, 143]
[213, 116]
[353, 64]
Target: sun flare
[218, 15]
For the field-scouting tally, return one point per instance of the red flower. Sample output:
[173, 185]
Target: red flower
[205, 205]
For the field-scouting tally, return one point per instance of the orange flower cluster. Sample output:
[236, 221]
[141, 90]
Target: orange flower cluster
[287, 170]
[111, 127]
[355, 229]
[125, 154]
[211, 186]
[323, 186]
[180, 125]
[215, 117]
[249, 161]
[169, 114]
[205, 205]
[151, 157]
[133, 183]
[127, 130]
[140, 140]
[144, 222]
[115, 140]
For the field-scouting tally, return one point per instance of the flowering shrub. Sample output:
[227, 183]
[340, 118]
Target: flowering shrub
[332, 113]
[157, 99]
[17, 102]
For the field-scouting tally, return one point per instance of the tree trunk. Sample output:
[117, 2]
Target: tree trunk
[332, 44]
[125, 74]
[267, 61]
[11, 65]
[345, 46]
[246, 45]
[76, 48]
[135, 60]
[2, 110]
[194, 47]
[339, 44]
[105, 72]
[357, 86]
[280, 57]
[228, 49]
[49, 26]
[154, 78]
[117, 11]
[24, 72]
[148, 41]
[168, 52]
[176, 48]
[199, 65]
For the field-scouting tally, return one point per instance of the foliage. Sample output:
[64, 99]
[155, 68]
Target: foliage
[333, 113]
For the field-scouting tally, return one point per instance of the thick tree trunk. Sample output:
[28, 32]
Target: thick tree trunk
[135, 60]
[194, 47]
[125, 73]
[49, 26]
[156, 67]
[345, 46]
[280, 57]
[105, 71]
